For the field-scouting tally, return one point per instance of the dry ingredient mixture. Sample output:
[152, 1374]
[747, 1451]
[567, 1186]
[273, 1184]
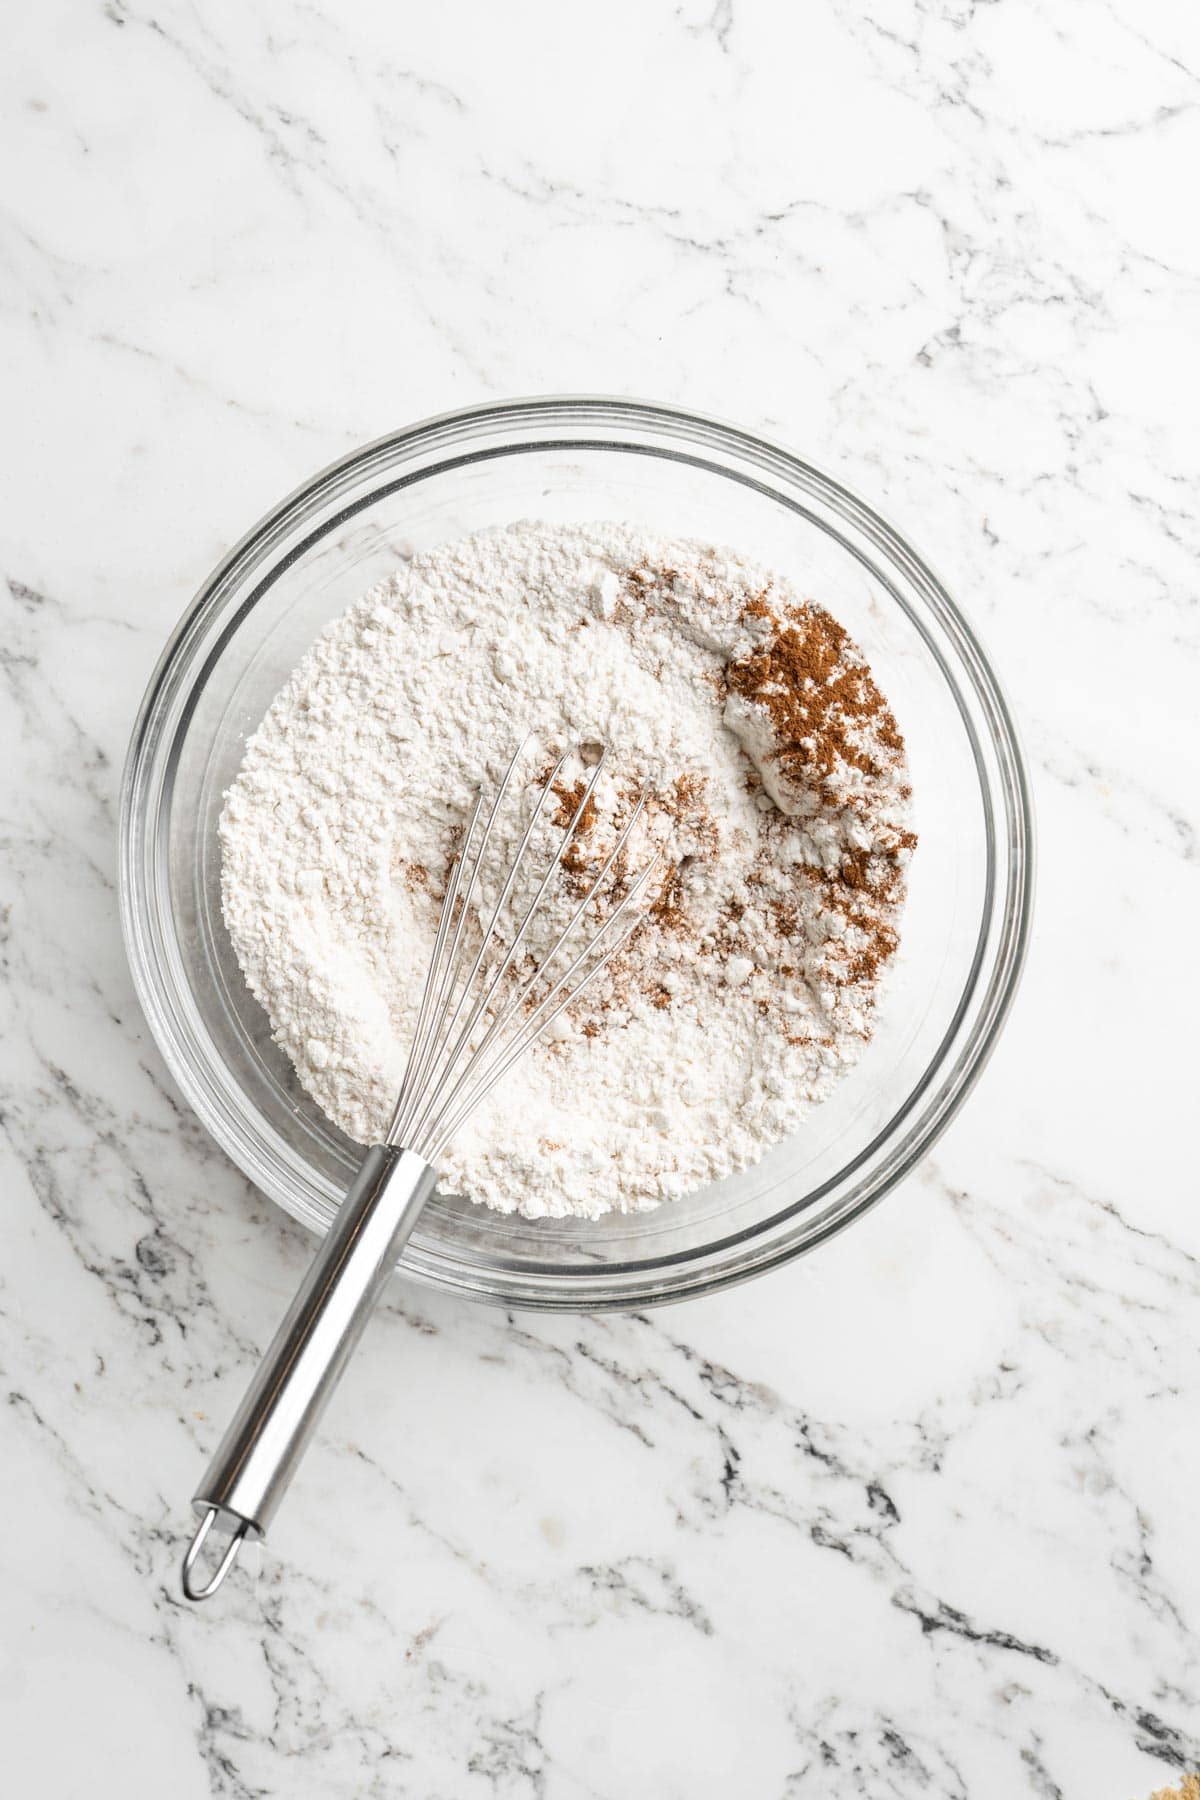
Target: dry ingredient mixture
[778, 800]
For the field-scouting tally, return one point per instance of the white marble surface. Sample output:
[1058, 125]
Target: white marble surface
[918, 1516]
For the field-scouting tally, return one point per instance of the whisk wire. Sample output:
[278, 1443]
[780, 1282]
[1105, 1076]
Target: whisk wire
[436, 1022]
[469, 1030]
[450, 1015]
[495, 976]
[539, 1020]
[428, 1009]
[517, 1000]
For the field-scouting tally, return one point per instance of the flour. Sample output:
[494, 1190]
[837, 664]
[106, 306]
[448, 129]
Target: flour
[781, 824]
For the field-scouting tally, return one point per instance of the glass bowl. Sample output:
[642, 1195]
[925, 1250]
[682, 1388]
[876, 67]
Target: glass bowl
[966, 921]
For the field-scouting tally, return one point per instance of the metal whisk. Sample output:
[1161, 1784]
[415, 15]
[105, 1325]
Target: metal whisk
[477, 1017]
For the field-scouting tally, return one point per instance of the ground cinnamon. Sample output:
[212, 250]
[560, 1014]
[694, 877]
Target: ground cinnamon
[568, 804]
[834, 736]
[824, 708]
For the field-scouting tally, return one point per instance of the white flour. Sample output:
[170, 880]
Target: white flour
[751, 986]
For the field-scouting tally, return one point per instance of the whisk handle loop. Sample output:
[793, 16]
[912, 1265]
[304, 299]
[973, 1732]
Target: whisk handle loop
[259, 1454]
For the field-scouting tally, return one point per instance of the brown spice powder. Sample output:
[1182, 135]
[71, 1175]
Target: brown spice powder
[823, 705]
[576, 863]
[667, 909]
[568, 804]
[786, 918]
[827, 716]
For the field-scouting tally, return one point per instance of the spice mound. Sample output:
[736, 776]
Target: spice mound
[778, 803]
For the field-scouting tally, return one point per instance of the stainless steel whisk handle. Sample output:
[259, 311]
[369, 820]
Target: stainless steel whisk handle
[260, 1452]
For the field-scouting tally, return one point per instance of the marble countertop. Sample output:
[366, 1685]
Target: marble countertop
[918, 1515]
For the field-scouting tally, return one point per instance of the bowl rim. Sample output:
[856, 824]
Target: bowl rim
[1012, 906]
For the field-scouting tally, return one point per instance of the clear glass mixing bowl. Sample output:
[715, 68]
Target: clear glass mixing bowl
[572, 459]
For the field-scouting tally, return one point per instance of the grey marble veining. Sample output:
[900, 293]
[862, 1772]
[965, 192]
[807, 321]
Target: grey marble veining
[915, 1517]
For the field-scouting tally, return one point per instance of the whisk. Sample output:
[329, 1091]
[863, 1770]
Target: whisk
[479, 1014]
